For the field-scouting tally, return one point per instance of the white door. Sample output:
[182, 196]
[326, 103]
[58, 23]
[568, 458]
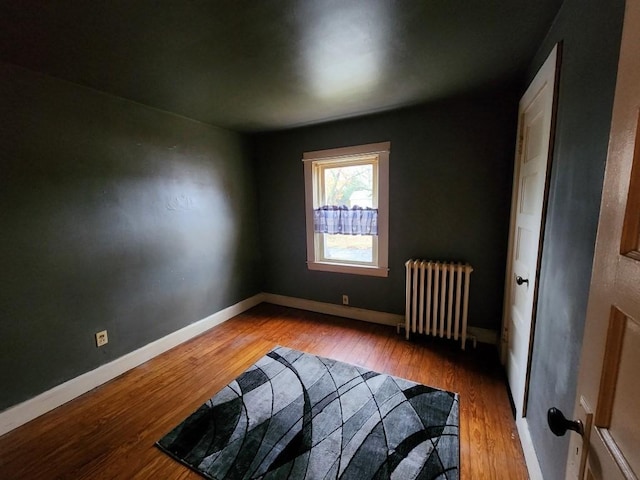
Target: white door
[608, 392]
[527, 207]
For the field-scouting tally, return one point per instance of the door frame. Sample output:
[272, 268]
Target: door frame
[552, 61]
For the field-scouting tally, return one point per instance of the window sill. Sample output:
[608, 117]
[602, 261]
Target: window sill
[350, 269]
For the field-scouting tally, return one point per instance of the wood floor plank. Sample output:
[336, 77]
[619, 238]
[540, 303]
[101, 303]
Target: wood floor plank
[109, 433]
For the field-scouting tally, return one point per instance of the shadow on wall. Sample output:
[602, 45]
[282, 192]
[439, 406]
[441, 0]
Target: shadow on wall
[121, 218]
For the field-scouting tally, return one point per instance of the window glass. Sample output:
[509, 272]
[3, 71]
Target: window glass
[346, 208]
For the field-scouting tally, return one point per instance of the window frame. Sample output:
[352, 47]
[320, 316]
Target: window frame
[319, 169]
[313, 162]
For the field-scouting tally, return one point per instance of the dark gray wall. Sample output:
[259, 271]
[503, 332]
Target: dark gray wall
[450, 186]
[590, 32]
[114, 216]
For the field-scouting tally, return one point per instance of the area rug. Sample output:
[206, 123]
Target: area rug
[293, 415]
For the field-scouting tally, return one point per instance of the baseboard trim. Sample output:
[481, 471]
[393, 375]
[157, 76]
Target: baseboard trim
[483, 335]
[530, 457]
[355, 313]
[24, 412]
[30, 409]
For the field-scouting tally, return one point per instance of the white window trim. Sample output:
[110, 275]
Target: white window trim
[382, 150]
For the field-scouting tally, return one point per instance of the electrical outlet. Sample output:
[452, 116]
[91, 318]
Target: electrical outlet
[101, 338]
[345, 299]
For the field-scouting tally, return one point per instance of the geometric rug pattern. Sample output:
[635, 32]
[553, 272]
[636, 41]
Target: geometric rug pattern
[293, 415]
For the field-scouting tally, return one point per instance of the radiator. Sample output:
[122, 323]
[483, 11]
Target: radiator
[437, 299]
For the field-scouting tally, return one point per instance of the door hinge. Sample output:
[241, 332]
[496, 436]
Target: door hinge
[520, 144]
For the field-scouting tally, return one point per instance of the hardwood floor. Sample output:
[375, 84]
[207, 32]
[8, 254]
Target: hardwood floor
[110, 431]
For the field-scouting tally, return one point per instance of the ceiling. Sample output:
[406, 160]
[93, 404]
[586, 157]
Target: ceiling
[255, 65]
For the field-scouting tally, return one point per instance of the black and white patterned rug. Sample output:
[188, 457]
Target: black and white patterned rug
[293, 415]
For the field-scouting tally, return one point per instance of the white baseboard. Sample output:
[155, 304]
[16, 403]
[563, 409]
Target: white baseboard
[533, 466]
[333, 309]
[26, 411]
[483, 335]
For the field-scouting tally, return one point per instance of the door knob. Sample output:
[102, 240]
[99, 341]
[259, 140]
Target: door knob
[559, 424]
[520, 280]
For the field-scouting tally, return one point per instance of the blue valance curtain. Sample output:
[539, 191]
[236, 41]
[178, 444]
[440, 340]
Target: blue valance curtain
[343, 220]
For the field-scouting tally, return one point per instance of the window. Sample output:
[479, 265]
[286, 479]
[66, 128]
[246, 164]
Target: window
[346, 205]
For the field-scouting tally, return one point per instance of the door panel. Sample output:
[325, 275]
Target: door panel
[619, 402]
[630, 243]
